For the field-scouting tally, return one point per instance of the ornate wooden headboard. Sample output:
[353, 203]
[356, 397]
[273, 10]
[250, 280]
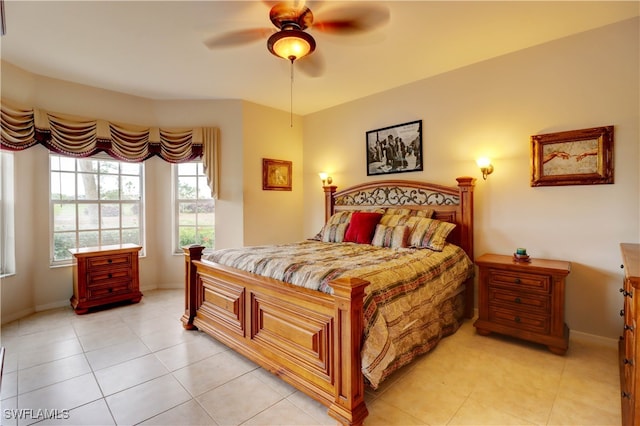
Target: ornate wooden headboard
[451, 204]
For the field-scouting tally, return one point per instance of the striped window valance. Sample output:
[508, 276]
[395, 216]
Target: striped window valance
[24, 127]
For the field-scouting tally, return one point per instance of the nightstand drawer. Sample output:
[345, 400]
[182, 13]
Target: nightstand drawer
[520, 280]
[112, 289]
[100, 278]
[532, 302]
[520, 320]
[111, 261]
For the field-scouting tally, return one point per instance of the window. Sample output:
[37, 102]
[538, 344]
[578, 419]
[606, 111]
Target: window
[7, 231]
[194, 208]
[94, 201]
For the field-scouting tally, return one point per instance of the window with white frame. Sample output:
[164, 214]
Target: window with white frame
[95, 201]
[194, 211]
[7, 212]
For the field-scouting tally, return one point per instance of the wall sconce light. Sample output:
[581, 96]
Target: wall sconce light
[326, 179]
[485, 167]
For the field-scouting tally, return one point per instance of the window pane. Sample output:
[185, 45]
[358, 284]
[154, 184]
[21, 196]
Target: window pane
[187, 169]
[206, 236]
[62, 242]
[56, 192]
[187, 236]
[87, 186]
[131, 236]
[110, 216]
[88, 239]
[67, 164]
[130, 169]
[87, 165]
[186, 215]
[110, 237]
[130, 215]
[109, 167]
[130, 188]
[64, 217]
[187, 188]
[67, 186]
[109, 188]
[88, 216]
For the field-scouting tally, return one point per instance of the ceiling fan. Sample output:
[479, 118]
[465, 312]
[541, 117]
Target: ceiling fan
[290, 41]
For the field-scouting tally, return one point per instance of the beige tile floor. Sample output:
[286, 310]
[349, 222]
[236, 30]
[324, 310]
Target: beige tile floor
[136, 365]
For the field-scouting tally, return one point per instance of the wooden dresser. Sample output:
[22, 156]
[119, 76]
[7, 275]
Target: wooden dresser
[523, 299]
[105, 275]
[628, 344]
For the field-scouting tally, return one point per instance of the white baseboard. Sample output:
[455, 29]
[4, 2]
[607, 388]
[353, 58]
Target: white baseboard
[17, 315]
[52, 305]
[604, 341]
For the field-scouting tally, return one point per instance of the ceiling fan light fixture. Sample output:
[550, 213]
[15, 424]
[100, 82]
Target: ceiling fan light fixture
[291, 44]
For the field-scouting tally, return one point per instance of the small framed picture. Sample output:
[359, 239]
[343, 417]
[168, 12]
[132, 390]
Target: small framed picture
[575, 157]
[395, 149]
[276, 175]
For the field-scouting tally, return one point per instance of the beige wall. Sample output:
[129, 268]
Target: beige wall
[271, 217]
[492, 108]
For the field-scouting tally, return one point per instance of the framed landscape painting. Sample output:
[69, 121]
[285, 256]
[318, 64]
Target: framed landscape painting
[394, 149]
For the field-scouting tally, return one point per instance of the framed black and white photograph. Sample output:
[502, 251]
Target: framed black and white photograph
[395, 149]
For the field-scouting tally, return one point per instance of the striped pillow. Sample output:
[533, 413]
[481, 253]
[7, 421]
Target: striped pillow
[410, 212]
[334, 233]
[430, 233]
[391, 236]
[335, 219]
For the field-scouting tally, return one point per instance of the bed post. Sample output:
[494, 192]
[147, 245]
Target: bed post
[465, 185]
[329, 190]
[191, 253]
[348, 406]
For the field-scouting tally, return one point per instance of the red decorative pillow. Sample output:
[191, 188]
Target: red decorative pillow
[362, 227]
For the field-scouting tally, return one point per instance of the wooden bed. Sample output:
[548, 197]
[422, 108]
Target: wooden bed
[311, 339]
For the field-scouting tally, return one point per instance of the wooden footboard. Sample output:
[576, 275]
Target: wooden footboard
[310, 339]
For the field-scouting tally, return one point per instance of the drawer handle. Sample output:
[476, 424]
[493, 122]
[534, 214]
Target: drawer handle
[110, 275]
[621, 312]
[626, 395]
[518, 319]
[627, 361]
[628, 327]
[621, 266]
[626, 293]
[518, 300]
[110, 261]
[517, 281]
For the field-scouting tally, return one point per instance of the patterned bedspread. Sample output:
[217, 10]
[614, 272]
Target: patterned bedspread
[409, 305]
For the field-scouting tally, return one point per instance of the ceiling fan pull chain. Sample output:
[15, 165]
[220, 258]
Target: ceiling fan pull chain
[291, 98]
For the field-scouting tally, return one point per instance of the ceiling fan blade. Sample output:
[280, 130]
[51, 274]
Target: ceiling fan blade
[312, 65]
[238, 38]
[353, 19]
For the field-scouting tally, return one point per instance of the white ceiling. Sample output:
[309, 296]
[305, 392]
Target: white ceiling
[154, 49]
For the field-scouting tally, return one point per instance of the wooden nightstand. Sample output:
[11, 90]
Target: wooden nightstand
[523, 299]
[105, 275]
